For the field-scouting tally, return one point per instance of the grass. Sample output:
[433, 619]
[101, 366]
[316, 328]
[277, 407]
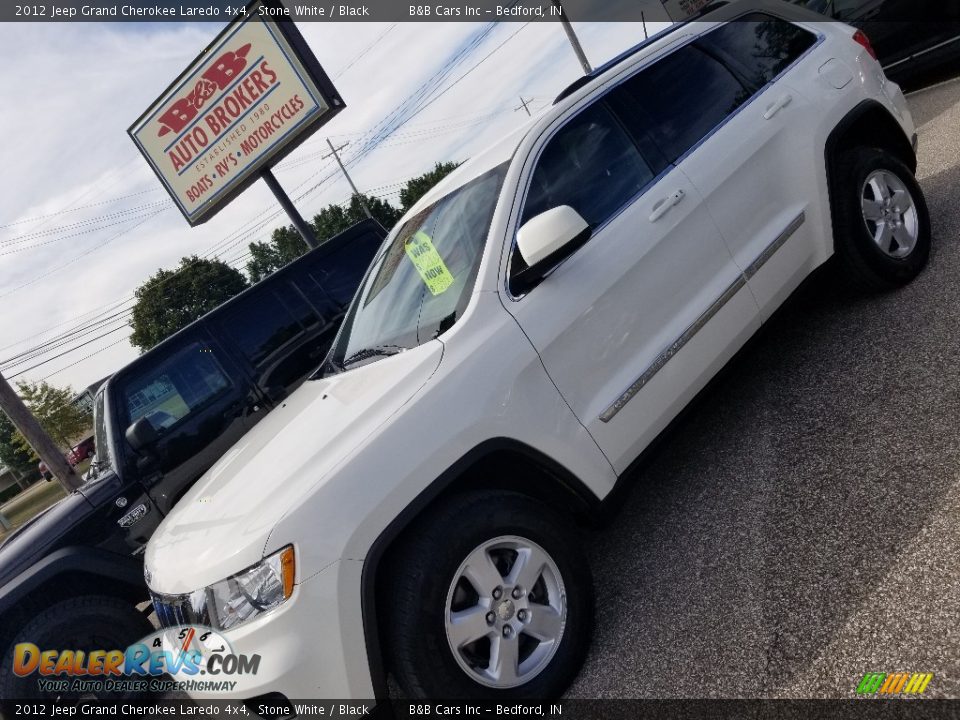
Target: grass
[35, 499]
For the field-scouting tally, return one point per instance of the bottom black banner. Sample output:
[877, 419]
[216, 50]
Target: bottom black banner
[273, 707]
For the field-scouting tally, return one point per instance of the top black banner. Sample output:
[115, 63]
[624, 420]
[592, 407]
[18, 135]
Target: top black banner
[222, 11]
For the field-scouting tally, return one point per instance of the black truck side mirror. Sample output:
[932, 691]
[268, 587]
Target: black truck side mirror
[141, 435]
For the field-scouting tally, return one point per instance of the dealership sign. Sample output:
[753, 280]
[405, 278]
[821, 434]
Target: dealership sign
[252, 96]
[680, 10]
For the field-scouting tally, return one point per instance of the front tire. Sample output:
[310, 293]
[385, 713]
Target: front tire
[882, 226]
[92, 622]
[491, 598]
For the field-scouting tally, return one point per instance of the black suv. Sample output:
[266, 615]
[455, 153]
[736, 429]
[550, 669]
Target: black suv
[911, 37]
[160, 423]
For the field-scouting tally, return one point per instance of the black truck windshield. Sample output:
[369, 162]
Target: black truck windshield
[420, 284]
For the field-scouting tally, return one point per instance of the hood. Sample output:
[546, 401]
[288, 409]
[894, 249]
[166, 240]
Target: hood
[222, 524]
[41, 534]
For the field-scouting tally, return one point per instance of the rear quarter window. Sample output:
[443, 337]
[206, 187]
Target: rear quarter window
[758, 46]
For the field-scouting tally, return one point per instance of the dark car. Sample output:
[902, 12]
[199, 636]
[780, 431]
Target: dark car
[159, 424]
[911, 37]
[81, 451]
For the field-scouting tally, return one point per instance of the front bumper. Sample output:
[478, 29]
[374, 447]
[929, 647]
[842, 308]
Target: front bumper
[311, 647]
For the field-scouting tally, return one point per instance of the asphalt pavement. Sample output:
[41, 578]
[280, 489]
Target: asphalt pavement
[802, 527]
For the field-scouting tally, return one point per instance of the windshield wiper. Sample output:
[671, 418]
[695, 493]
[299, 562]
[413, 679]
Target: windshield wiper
[366, 353]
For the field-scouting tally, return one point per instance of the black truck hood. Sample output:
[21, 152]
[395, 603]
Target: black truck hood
[41, 535]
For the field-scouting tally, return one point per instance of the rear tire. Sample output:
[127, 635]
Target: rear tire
[881, 222]
[92, 622]
[451, 636]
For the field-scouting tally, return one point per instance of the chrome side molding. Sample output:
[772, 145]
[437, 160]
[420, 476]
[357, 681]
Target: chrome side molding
[687, 335]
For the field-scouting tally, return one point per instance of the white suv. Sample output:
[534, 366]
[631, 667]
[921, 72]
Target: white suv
[523, 335]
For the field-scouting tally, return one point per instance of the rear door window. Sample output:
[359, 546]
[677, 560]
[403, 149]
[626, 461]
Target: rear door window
[685, 96]
[757, 46]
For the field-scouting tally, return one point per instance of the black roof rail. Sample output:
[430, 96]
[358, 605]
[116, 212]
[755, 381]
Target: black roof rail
[597, 72]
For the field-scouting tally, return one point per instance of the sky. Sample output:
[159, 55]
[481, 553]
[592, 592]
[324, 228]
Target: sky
[83, 220]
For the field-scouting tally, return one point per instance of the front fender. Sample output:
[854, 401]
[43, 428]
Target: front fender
[119, 574]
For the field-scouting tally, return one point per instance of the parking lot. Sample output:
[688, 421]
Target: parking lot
[801, 527]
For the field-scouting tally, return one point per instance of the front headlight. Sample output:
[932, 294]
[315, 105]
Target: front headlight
[256, 590]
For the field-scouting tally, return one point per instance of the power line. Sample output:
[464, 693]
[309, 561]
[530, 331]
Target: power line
[95, 312]
[79, 207]
[25, 237]
[38, 278]
[87, 357]
[363, 52]
[64, 339]
[66, 352]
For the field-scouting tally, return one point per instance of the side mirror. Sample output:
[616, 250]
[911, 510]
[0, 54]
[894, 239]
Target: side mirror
[141, 435]
[546, 239]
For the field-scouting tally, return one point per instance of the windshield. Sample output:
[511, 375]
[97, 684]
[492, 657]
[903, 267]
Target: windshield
[421, 283]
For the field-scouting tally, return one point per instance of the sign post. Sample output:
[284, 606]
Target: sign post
[253, 95]
[287, 204]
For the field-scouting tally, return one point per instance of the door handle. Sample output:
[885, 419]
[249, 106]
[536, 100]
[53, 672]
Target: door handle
[778, 106]
[663, 207]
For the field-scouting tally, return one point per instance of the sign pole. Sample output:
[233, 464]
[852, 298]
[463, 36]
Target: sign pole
[298, 222]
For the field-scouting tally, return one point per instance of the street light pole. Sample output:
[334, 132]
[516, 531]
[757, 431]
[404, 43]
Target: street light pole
[353, 187]
[42, 444]
[572, 37]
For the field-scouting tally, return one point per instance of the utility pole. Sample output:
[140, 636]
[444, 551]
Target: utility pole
[523, 104]
[572, 37]
[306, 232]
[333, 151]
[42, 444]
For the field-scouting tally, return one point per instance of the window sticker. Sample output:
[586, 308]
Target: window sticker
[428, 263]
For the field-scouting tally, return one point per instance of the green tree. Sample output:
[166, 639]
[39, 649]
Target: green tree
[53, 409]
[286, 245]
[417, 187]
[12, 453]
[172, 299]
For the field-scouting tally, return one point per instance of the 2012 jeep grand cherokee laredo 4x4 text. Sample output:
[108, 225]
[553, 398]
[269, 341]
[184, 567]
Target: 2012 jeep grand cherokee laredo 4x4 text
[522, 336]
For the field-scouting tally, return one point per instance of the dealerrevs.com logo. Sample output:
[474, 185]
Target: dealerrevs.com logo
[187, 658]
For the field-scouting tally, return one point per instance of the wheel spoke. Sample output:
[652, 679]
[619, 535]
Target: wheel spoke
[504, 659]
[544, 624]
[872, 209]
[883, 236]
[469, 625]
[527, 568]
[901, 202]
[903, 237]
[880, 189]
[482, 573]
